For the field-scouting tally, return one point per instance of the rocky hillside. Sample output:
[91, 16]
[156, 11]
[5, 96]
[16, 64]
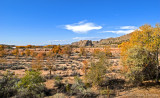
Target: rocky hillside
[102, 42]
[83, 43]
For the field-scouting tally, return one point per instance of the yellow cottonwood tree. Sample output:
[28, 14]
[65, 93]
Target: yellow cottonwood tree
[146, 38]
[155, 46]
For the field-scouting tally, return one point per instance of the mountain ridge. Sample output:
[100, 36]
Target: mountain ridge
[109, 41]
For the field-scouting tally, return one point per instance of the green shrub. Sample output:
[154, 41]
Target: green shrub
[8, 85]
[97, 70]
[141, 65]
[135, 75]
[31, 85]
[78, 86]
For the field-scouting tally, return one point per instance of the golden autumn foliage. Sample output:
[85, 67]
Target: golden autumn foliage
[143, 37]
[49, 46]
[108, 51]
[15, 52]
[82, 51]
[66, 50]
[1, 47]
[28, 46]
[96, 52]
[2, 51]
[41, 55]
[27, 52]
[22, 53]
[49, 54]
[20, 46]
[142, 50]
[33, 54]
[57, 49]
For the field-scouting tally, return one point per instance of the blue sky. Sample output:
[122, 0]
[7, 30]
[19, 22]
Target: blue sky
[40, 22]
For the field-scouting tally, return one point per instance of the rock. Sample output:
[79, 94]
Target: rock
[83, 43]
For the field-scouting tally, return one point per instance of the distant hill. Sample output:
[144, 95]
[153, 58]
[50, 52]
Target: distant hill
[103, 42]
[7, 46]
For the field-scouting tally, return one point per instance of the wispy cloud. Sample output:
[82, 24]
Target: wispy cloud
[87, 38]
[128, 27]
[122, 30]
[82, 27]
[58, 42]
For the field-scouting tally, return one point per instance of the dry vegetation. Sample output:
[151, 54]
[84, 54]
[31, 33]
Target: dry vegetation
[65, 71]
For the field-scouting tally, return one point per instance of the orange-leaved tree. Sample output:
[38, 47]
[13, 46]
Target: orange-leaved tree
[15, 52]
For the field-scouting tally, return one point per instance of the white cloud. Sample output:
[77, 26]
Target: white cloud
[123, 30]
[87, 38]
[128, 27]
[120, 31]
[82, 27]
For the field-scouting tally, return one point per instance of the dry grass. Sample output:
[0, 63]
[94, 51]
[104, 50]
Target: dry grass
[148, 90]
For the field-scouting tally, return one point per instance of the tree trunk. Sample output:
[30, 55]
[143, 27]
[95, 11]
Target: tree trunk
[157, 71]
[50, 72]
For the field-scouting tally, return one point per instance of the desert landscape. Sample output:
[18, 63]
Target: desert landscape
[66, 70]
[79, 49]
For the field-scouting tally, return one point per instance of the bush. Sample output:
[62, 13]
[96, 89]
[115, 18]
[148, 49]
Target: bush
[80, 88]
[17, 67]
[58, 83]
[31, 85]
[141, 65]
[135, 75]
[75, 73]
[96, 72]
[8, 85]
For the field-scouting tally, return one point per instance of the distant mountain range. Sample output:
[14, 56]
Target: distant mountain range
[114, 42]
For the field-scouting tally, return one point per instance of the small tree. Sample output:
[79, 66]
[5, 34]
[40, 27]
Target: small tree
[37, 65]
[56, 49]
[2, 51]
[50, 54]
[15, 52]
[67, 50]
[31, 85]
[82, 52]
[22, 53]
[141, 52]
[33, 54]
[50, 66]
[96, 52]
[27, 52]
[97, 70]
[40, 55]
[108, 51]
